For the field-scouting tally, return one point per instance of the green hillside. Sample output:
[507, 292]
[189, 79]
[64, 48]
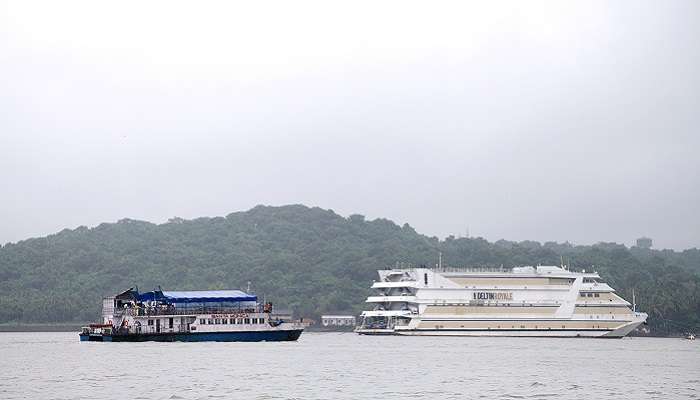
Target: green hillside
[308, 259]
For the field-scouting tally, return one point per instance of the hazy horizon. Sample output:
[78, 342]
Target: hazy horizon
[543, 121]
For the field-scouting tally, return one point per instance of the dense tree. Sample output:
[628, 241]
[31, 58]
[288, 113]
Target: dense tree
[307, 259]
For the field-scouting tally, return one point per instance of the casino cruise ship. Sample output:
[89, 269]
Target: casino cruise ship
[522, 301]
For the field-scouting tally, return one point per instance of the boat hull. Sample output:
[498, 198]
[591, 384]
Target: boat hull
[619, 332]
[593, 333]
[241, 336]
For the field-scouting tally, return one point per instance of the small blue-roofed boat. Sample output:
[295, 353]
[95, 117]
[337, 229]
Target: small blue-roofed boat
[190, 316]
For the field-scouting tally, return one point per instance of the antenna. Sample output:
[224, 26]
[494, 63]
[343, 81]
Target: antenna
[634, 302]
[248, 288]
[440, 260]
[561, 261]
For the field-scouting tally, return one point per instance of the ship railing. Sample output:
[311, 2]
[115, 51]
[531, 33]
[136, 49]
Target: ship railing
[484, 269]
[155, 311]
[152, 329]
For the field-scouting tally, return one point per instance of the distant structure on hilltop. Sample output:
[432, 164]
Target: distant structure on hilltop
[644, 243]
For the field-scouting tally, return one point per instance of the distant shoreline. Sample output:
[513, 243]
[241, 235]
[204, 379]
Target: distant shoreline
[58, 327]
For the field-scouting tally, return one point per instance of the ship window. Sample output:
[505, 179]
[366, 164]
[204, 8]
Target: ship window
[150, 322]
[590, 294]
[210, 321]
[246, 320]
[203, 321]
[425, 278]
[170, 322]
[597, 294]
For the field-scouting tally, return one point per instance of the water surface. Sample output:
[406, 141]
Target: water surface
[347, 366]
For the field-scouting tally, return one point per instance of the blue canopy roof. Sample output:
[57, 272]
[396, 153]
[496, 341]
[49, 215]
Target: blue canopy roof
[198, 296]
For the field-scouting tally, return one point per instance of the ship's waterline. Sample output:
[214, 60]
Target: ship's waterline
[522, 301]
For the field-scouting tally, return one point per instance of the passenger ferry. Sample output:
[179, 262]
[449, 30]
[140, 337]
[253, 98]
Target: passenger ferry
[190, 316]
[522, 301]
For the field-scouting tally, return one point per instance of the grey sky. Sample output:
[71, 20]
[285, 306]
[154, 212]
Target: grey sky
[521, 120]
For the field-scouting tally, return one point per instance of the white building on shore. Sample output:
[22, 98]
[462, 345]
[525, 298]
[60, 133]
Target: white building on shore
[337, 320]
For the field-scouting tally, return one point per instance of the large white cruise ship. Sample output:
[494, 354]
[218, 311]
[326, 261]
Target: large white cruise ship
[522, 301]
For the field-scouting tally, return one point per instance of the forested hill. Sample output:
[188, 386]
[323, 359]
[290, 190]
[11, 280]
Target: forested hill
[308, 259]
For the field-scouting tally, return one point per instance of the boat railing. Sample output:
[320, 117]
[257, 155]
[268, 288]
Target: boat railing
[140, 330]
[483, 269]
[155, 311]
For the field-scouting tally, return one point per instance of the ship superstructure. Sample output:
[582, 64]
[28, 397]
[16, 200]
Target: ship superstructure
[521, 301]
[214, 315]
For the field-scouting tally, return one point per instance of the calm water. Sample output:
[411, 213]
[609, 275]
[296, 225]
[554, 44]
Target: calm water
[348, 366]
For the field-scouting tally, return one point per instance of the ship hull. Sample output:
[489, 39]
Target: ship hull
[593, 333]
[619, 332]
[241, 336]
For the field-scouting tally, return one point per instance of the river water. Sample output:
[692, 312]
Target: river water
[347, 366]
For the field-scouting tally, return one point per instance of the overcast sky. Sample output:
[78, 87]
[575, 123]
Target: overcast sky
[520, 120]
